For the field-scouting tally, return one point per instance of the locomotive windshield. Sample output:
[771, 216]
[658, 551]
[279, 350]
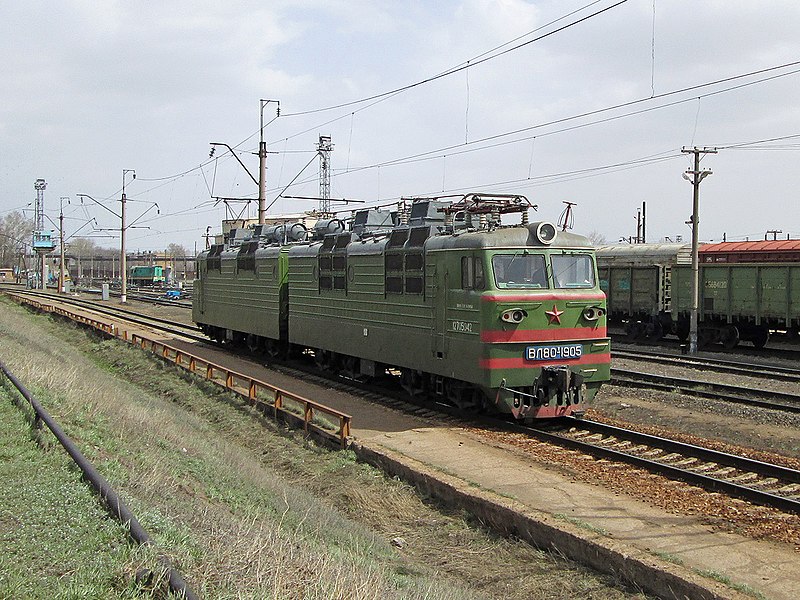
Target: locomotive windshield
[519, 270]
[573, 270]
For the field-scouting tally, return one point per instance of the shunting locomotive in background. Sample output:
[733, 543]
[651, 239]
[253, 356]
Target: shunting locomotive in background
[485, 315]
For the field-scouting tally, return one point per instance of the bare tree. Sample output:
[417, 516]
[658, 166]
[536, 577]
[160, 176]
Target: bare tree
[176, 252]
[597, 238]
[15, 234]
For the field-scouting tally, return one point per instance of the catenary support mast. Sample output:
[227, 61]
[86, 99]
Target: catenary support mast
[695, 176]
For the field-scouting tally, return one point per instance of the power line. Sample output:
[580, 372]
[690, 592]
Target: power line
[435, 154]
[459, 68]
[388, 95]
[410, 158]
[454, 149]
[743, 145]
[559, 177]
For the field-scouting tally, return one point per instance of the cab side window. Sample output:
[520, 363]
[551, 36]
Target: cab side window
[472, 274]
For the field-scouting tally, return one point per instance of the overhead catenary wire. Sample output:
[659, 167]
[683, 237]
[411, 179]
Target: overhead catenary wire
[459, 68]
[388, 95]
[439, 151]
[436, 153]
[460, 148]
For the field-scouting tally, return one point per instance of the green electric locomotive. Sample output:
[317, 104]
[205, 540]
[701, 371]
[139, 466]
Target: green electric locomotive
[486, 316]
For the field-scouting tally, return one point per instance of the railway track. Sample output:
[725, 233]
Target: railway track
[734, 367]
[737, 476]
[784, 351]
[132, 316]
[144, 296]
[754, 397]
[760, 483]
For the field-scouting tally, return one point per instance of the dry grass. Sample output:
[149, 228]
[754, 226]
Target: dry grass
[246, 509]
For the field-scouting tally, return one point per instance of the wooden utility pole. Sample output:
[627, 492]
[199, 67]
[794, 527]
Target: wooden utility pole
[695, 176]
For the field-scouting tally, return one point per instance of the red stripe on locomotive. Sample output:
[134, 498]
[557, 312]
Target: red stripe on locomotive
[521, 363]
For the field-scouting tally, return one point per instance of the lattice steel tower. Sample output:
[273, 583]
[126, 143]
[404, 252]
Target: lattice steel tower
[39, 185]
[324, 147]
[42, 238]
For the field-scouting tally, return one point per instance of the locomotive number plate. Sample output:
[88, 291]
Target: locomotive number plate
[563, 352]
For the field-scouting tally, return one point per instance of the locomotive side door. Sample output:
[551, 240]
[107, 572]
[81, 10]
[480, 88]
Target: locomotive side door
[440, 278]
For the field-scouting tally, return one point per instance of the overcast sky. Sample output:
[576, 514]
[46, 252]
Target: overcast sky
[90, 88]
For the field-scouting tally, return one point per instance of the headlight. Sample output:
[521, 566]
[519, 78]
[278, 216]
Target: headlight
[545, 232]
[592, 313]
[513, 315]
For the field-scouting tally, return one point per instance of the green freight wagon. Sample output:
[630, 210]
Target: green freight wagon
[637, 281]
[739, 302]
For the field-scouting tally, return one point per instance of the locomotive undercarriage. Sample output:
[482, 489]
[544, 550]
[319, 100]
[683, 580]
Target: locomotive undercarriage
[651, 328]
[558, 391]
[727, 334]
[465, 396]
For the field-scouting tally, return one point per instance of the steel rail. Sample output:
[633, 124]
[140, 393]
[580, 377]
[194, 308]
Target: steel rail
[786, 351]
[238, 383]
[140, 296]
[704, 481]
[718, 365]
[742, 463]
[129, 315]
[102, 487]
[716, 391]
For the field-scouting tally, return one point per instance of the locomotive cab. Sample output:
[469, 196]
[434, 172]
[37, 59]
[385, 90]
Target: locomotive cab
[546, 352]
[522, 304]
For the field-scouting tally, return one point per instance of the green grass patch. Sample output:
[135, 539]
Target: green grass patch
[56, 540]
[739, 587]
[581, 524]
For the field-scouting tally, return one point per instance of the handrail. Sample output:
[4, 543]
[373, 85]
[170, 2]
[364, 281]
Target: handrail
[250, 388]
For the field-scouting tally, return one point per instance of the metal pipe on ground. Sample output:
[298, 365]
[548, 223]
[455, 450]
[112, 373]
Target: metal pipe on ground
[101, 486]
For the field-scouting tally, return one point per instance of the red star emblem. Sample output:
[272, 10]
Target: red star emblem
[554, 315]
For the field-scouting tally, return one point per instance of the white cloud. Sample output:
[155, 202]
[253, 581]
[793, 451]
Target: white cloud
[90, 88]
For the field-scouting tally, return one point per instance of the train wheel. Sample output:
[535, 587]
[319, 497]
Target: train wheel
[462, 395]
[682, 330]
[411, 381]
[705, 337]
[634, 331]
[729, 337]
[760, 336]
[322, 359]
[351, 367]
[254, 343]
[273, 348]
[654, 331]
